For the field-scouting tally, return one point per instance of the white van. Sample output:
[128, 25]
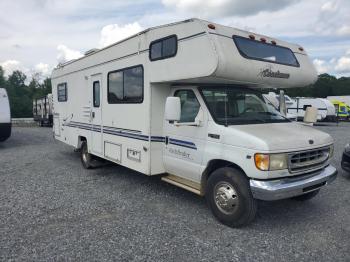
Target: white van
[5, 116]
[183, 101]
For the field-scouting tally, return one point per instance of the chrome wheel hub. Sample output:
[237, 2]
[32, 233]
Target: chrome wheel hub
[226, 198]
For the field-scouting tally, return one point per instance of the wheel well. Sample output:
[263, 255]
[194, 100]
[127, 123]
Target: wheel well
[214, 165]
[81, 139]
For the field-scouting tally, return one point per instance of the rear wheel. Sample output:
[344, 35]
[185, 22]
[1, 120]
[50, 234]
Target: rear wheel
[307, 196]
[229, 197]
[85, 156]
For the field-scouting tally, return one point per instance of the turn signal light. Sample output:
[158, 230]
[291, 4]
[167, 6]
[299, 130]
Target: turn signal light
[262, 161]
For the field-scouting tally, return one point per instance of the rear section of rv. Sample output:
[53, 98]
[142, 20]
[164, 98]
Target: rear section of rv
[5, 116]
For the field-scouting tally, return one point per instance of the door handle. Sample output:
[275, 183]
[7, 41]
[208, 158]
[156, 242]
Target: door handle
[93, 114]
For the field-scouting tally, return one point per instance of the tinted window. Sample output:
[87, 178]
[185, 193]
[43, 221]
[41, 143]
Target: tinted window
[189, 105]
[266, 52]
[62, 92]
[133, 84]
[96, 93]
[115, 87]
[163, 48]
[156, 50]
[126, 85]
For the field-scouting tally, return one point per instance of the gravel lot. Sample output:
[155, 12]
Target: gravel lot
[53, 209]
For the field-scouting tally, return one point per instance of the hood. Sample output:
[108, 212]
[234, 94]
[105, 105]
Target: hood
[280, 137]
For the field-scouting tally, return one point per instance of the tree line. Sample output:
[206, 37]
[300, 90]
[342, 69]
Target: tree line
[326, 85]
[21, 93]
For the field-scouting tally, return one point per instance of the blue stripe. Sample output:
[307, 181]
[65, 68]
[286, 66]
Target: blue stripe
[192, 147]
[121, 132]
[181, 142]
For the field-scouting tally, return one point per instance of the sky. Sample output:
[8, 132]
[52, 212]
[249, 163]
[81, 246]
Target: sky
[36, 35]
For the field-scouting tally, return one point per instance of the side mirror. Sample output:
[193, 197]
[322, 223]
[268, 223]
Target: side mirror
[172, 109]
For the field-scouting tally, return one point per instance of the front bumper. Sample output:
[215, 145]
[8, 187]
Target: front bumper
[292, 186]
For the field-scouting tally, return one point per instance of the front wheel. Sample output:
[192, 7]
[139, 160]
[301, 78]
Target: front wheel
[85, 157]
[230, 198]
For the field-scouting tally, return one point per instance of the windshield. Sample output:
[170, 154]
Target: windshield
[237, 106]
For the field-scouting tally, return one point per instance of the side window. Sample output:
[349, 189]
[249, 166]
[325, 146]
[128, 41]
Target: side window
[189, 105]
[163, 48]
[96, 93]
[125, 85]
[62, 92]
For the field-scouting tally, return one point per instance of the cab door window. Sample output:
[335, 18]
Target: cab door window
[189, 105]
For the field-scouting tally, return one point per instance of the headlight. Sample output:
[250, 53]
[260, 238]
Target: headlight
[271, 162]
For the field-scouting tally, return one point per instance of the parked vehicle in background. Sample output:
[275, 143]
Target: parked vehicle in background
[341, 109]
[5, 116]
[42, 110]
[298, 106]
[345, 162]
[273, 100]
[182, 101]
[344, 99]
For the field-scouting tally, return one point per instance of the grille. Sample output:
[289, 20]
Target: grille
[307, 160]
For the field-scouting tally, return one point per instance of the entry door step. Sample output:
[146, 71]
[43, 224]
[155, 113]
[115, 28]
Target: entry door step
[183, 183]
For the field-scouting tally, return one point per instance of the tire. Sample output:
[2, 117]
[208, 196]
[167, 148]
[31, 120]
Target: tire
[85, 157]
[307, 196]
[236, 211]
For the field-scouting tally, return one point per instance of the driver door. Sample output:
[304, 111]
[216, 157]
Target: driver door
[185, 144]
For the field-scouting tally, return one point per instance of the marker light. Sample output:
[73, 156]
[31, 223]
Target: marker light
[301, 49]
[263, 40]
[252, 37]
[273, 42]
[211, 26]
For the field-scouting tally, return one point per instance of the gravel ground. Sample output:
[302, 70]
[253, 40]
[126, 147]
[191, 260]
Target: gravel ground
[53, 209]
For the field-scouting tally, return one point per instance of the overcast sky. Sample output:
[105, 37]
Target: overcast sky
[35, 35]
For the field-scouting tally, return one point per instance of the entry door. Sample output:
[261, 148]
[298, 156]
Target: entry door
[185, 144]
[96, 114]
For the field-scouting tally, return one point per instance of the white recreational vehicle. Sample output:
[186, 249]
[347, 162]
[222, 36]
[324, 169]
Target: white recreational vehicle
[326, 110]
[42, 110]
[182, 101]
[5, 116]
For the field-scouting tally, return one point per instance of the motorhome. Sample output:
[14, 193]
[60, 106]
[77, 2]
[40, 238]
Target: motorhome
[273, 99]
[184, 101]
[42, 110]
[298, 106]
[5, 116]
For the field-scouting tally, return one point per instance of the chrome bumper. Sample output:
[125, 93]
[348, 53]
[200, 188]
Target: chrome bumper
[292, 186]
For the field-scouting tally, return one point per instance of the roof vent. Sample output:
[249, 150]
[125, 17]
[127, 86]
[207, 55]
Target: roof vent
[91, 51]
